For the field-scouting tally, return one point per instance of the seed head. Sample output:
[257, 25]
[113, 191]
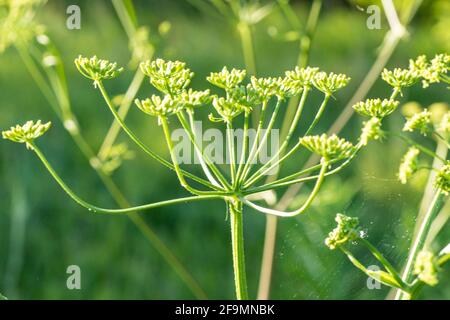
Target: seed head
[427, 268]
[97, 69]
[420, 121]
[330, 83]
[27, 132]
[400, 78]
[157, 106]
[376, 107]
[227, 79]
[371, 131]
[345, 231]
[328, 147]
[408, 165]
[169, 77]
[442, 181]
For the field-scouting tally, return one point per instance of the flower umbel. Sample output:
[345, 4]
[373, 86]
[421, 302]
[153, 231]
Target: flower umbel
[442, 181]
[346, 230]
[408, 166]
[420, 121]
[157, 106]
[301, 77]
[330, 83]
[426, 268]
[169, 77]
[227, 79]
[331, 147]
[227, 109]
[97, 69]
[371, 131]
[400, 78]
[376, 107]
[27, 132]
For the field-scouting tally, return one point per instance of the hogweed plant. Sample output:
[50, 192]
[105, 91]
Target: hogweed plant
[240, 178]
[423, 264]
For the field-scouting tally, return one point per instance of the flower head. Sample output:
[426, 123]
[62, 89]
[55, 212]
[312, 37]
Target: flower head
[331, 147]
[301, 77]
[442, 181]
[157, 106]
[17, 25]
[268, 87]
[437, 68]
[408, 165]
[97, 69]
[420, 121]
[191, 98]
[227, 79]
[400, 78]
[371, 131]
[427, 268]
[227, 109]
[376, 107]
[27, 132]
[330, 83]
[169, 77]
[346, 230]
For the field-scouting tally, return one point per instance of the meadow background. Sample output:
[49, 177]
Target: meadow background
[42, 231]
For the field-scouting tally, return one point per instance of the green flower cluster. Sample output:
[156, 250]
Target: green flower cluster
[329, 147]
[97, 69]
[345, 231]
[433, 71]
[408, 165]
[442, 181]
[427, 268]
[27, 132]
[420, 121]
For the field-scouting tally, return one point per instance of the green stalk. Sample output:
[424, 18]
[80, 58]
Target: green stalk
[230, 142]
[85, 148]
[419, 241]
[205, 162]
[305, 205]
[243, 151]
[237, 244]
[96, 209]
[178, 171]
[142, 145]
[114, 129]
[318, 114]
[264, 138]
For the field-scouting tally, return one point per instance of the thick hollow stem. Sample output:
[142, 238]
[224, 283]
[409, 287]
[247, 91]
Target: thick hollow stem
[237, 244]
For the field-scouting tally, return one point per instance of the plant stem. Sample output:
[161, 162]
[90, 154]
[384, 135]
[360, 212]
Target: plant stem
[420, 238]
[115, 127]
[237, 244]
[66, 115]
[96, 209]
[141, 144]
[178, 171]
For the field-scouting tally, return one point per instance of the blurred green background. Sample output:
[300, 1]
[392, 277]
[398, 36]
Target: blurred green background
[42, 232]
